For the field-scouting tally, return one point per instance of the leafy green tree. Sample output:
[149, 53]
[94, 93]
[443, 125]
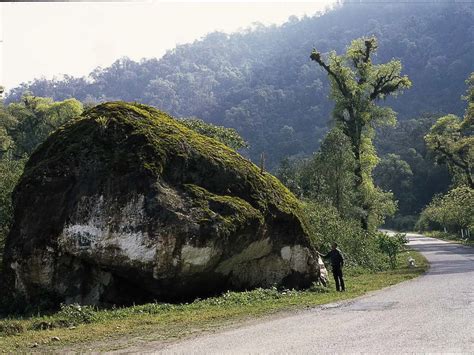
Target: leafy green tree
[327, 176]
[331, 173]
[7, 124]
[10, 172]
[23, 126]
[289, 173]
[6, 141]
[30, 121]
[356, 86]
[457, 206]
[228, 136]
[394, 174]
[446, 139]
[452, 212]
[391, 245]
[407, 141]
[468, 126]
[451, 139]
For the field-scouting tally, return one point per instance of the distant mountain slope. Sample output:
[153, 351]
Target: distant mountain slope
[263, 83]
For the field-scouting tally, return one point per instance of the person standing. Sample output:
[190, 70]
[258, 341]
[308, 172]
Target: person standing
[337, 262]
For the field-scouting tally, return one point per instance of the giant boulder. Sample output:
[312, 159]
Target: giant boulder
[124, 205]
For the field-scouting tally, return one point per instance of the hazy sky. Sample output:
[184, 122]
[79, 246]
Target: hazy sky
[47, 39]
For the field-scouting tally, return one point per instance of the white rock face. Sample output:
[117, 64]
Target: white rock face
[112, 235]
[196, 259]
[298, 257]
[254, 251]
[18, 279]
[92, 234]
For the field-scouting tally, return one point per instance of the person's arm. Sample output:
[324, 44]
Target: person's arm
[342, 258]
[325, 256]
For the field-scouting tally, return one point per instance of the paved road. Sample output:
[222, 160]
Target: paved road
[434, 313]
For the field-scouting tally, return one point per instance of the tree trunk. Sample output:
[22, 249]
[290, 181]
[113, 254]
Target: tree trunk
[364, 219]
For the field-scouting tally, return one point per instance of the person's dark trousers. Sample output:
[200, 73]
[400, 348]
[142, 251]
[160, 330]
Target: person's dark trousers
[337, 273]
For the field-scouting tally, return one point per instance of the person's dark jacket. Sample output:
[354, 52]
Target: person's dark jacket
[337, 260]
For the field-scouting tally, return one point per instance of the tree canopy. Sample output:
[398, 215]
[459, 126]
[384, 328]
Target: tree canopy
[451, 139]
[27, 123]
[452, 211]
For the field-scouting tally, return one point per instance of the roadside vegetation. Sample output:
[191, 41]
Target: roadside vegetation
[86, 328]
[449, 237]
[451, 141]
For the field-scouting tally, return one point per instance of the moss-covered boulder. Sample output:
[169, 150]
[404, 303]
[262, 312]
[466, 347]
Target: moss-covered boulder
[125, 204]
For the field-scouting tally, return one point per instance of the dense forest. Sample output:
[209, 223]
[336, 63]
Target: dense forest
[262, 82]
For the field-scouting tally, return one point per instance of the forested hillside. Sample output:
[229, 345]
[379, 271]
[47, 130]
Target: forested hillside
[262, 82]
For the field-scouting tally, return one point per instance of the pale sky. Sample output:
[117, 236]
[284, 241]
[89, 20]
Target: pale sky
[51, 39]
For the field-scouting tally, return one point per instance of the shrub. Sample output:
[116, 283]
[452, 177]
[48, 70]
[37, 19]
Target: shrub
[74, 314]
[359, 247]
[391, 246]
[11, 327]
[68, 316]
[50, 324]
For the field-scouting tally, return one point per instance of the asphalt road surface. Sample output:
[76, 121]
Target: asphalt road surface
[434, 313]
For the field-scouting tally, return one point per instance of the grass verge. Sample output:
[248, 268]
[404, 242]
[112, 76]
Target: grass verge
[86, 329]
[449, 237]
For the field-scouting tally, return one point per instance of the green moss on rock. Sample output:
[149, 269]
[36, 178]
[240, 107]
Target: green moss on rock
[136, 136]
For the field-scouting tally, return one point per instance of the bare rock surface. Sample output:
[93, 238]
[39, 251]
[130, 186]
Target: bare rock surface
[125, 205]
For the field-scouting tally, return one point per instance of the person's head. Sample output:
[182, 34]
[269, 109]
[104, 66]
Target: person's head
[334, 246]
